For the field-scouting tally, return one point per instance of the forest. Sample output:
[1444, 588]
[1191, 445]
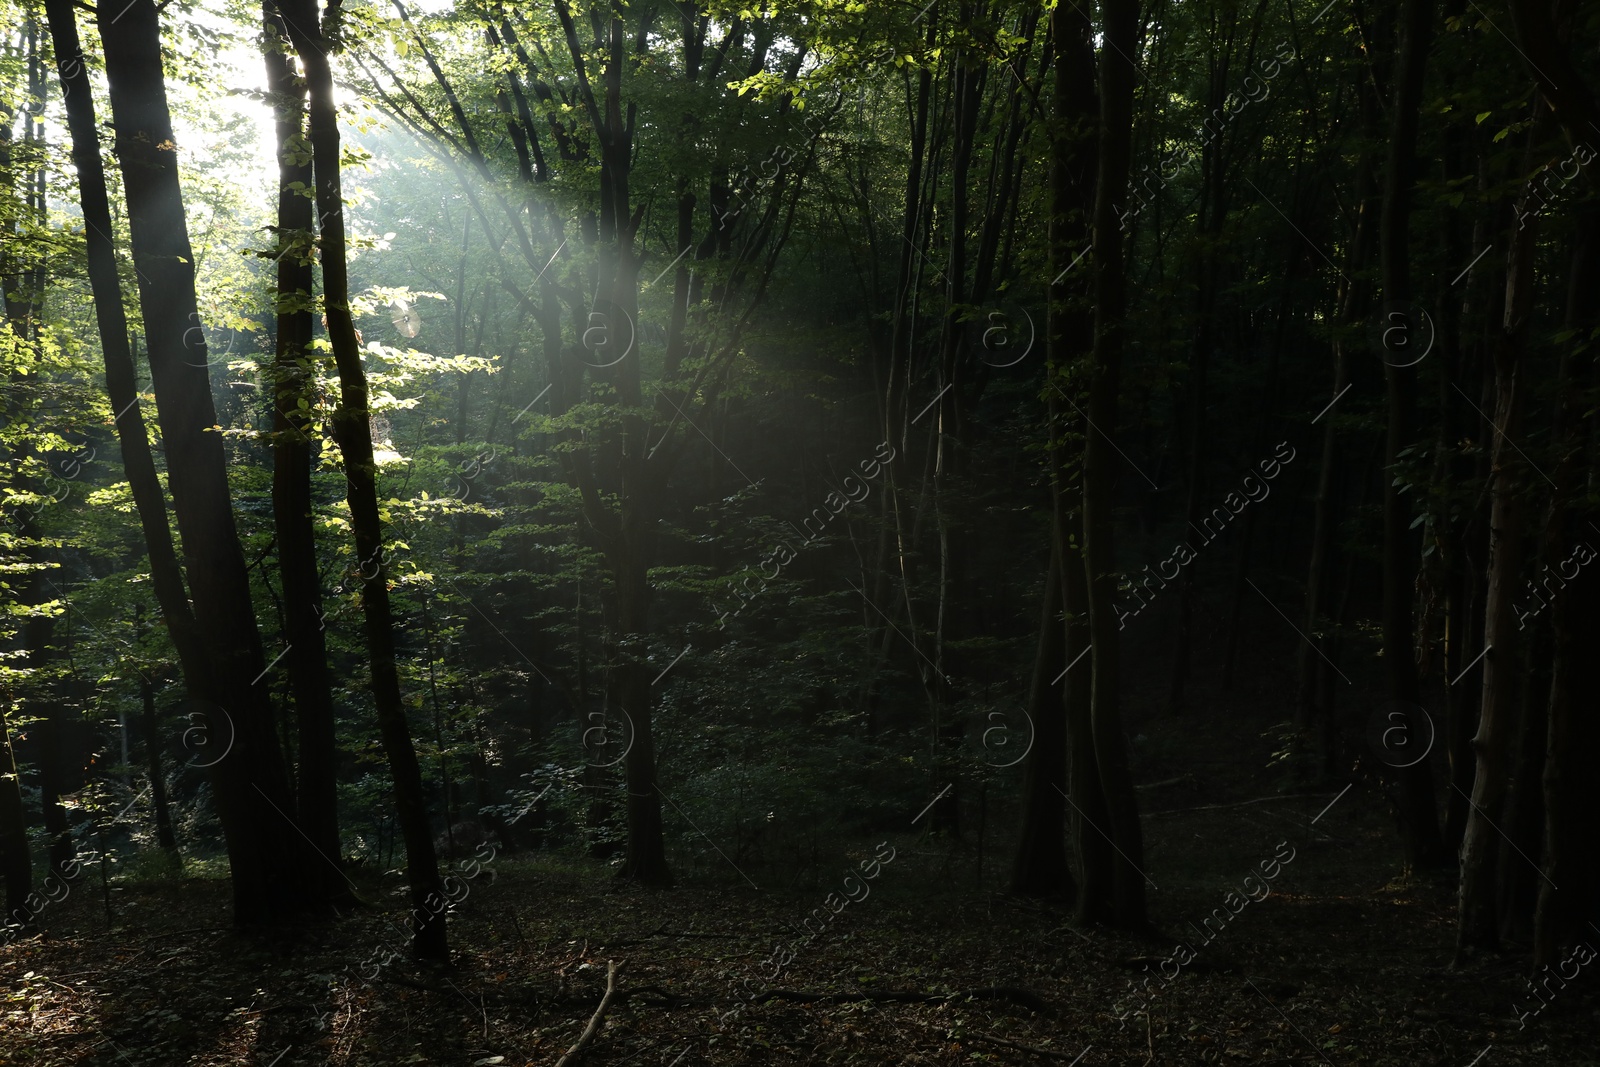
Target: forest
[807, 532]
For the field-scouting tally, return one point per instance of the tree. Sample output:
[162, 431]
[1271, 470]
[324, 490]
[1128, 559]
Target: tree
[1122, 901]
[1419, 815]
[309, 31]
[264, 851]
[1059, 708]
[294, 386]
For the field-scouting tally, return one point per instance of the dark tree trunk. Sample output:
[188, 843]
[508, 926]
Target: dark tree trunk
[1041, 868]
[646, 859]
[1497, 720]
[121, 368]
[353, 433]
[1418, 809]
[16, 863]
[250, 783]
[1449, 575]
[628, 533]
[1314, 700]
[1559, 914]
[156, 770]
[51, 709]
[1124, 907]
[1060, 707]
[293, 378]
[53, 782]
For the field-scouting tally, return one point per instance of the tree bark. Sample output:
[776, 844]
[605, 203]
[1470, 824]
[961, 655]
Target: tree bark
[1125, 907]
[1040, 868]
[16, 862]
[1478, 923]
[627, 534]
[1559, 914]
[249, 783]
[121, 369]
[353, 434]
[293, 379]
[1060, 707]
[1424, 847]
[157, 771]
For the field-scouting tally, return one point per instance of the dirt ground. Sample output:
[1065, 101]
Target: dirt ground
[914, 955]
[1337, 964]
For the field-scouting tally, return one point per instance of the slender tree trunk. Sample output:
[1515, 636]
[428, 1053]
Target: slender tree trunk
[1088, 817]
[1418, 810]
[352, 431]
[1497, 720]
[37, 633]
[156, 771]
[1208, 225]
[151, 724]
[1041, 868]
[251, 790]
[121, 368]
[628, 533]
[1125, 907]
[1315, 699]
[1558, 914]
[293, 378]
[53, 782]
[16, 862]
[1060, 763]
[646, 859]
[1448, 573]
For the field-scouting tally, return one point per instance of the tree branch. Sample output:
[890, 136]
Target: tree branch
[594, 1020]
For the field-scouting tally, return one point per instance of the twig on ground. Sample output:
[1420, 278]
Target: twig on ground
[582, 952]
[598, 1017]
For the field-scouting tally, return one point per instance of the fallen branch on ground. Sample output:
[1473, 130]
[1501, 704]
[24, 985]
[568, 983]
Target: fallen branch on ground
[595, 1020]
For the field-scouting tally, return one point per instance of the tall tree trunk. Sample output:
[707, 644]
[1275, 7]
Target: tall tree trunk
[1314, 699]
[53, 783]
[1478, 922]
[1559, 914]
[157, 771]
[121, 368]
[218, 640]
[1060, 707]
[1208, 226]
[352, 430]
[16, 863]
[154, 767]
[646, 857]
[1450, 575]
[1125, 906]
[51, 708]
[627, 534]
[1418, 810]
[294, 377]
[1040, 868]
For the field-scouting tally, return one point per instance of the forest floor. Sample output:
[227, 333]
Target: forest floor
[1341, 964]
